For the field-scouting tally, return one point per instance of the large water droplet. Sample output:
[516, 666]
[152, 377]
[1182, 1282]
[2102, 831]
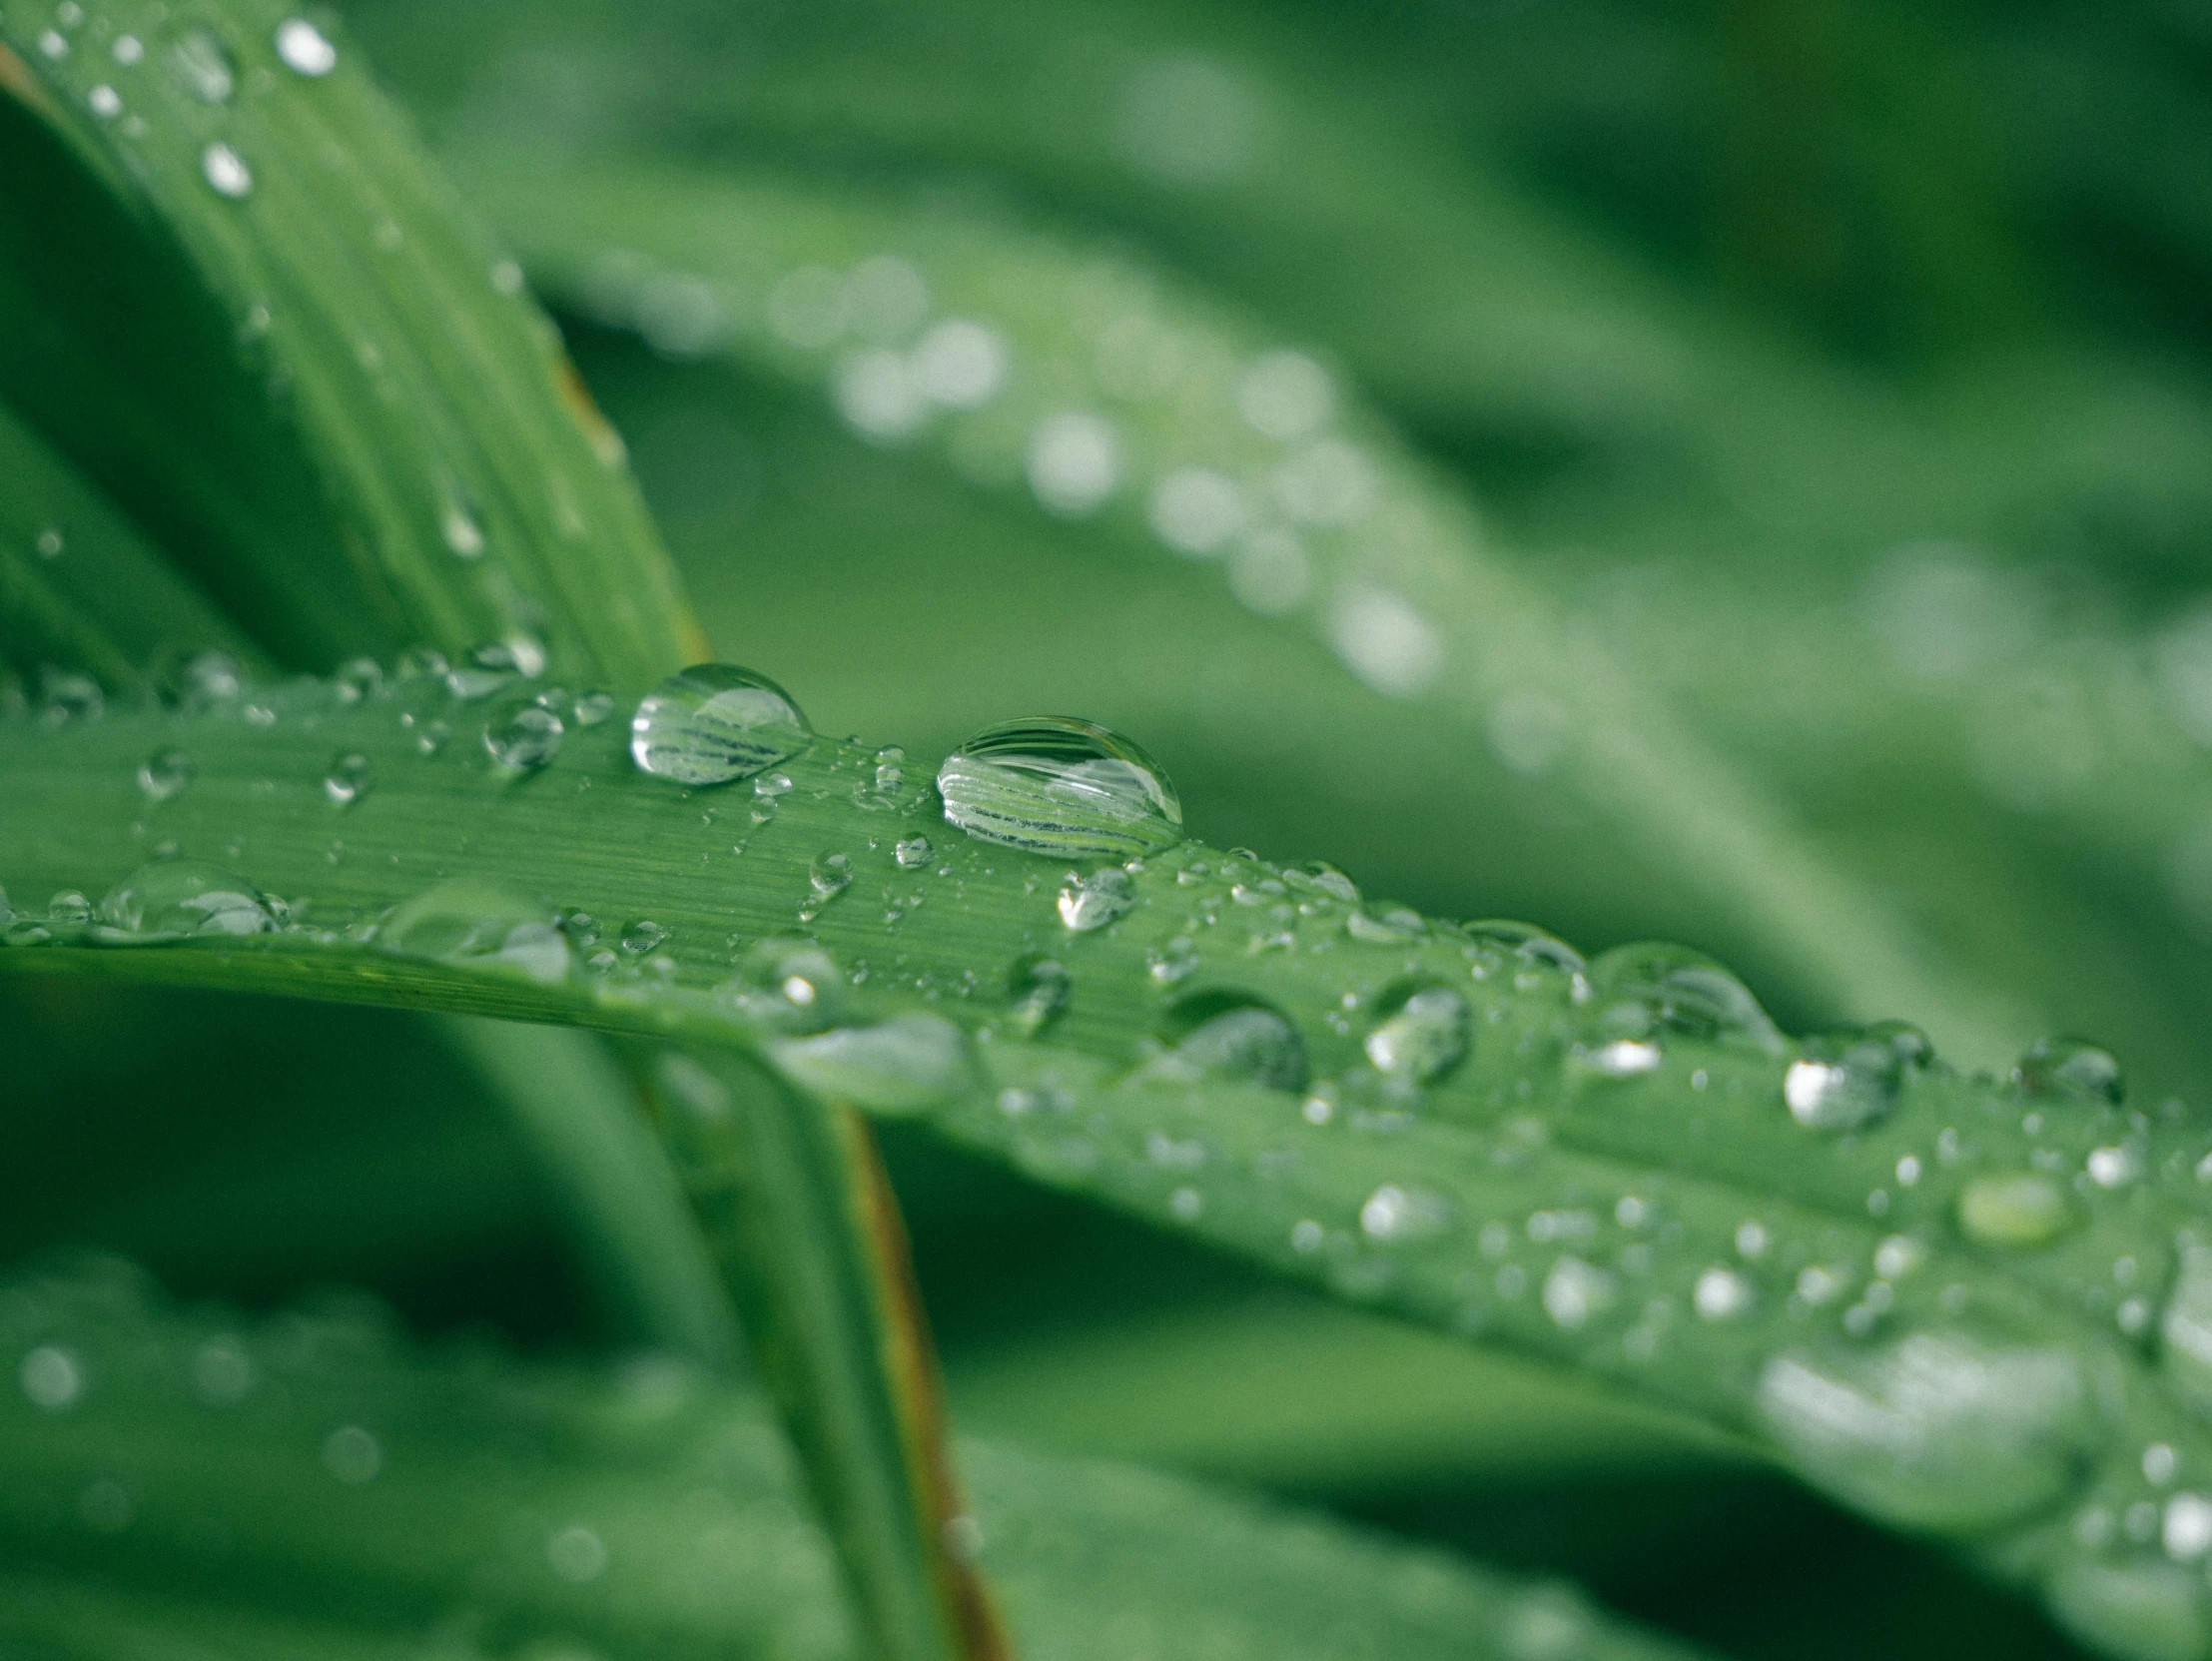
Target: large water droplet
[468, 920]
[1844, 1082]
[1053, 784]
[2071, 1067]
[163, 774]
[1103, 897]
[1637, 990]
[304, 49]
[715, 722]
[2020, 1208]
[1422, 1037]
[1040, 987]
[188, 897]
[1226, 1035]
[1935, 1430]
[898, 1066]
[523, 739]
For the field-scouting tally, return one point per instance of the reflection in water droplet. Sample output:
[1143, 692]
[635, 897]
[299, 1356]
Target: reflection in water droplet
[913, 851]
[1935, 1430]
[1424, 1037]
[1040, 987]
[348, 778]
[1225, 1034]
[896, 1066]
[830, 874]
[525, 739]
[468, 920]
[163, 774]
[188, 897]
[2020, 1208]
[1053, 784]
[304, 49]
[715, 722]
[1106, 896]
[69, 908]
[2071, 1067]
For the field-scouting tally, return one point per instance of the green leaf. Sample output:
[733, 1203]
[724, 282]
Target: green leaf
[306, 368]
[307, 1485]
[1964, 1306]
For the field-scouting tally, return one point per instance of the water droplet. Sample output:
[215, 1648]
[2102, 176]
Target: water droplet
[1226, 1035]
[1644, 987]
[590, 708]
[304, 49]
[576, 1554]
[163, 774]
[69, 908]
[2021, 1208]
[1845, 1082]
[913, 851]
[358, 680]
[1574, 1291]
[348, 778]
[2187, 1329]
[202, 66]
[1721, 1294]
[1623, 1058]
[715, 722]
[104, 102]
[525, 738]
[1318, 877]
[473, 922]
[830, 874]
[1384, 924]
[1423, 1036]
[1039, 988]
[52, 1378]
[1937, 1430]
[896, 1066]
[226, 171]
[958, 364]
[1173, 960]
[789, 984]
[644, 936]
[1056, 785]
[1106, 896]
[64, 696]
[2071, 1067]
[188, 897]
[1075, 462]
[1397, 1212]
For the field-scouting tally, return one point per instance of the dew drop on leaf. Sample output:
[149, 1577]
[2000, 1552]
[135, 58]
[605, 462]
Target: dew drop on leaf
[590, 708]
[895, 1065]
[1226, 1035]
[188, 897]
[1935, 1430]
[1645, 988]
[1040, 987]
[715, 722]
[472, 921]
[69, 908]
[1105, 896]
[202, 66]
[226, 171]
[163, 774]
[913, 851]
[348, 778]
[66, 696]
[830, 874]
[1422, 1037]
[523, 739]
[304, 49]
[1398, 1211]
[2070, 1067]
[2015, 1209]
[1052, 784]
[2186, 1355]
[1844, 1082]
[644, 936]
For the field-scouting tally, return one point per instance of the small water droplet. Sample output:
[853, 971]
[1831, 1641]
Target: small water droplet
[1039, 988]
[1053, 784]
[1173, 960]
[477, 923]
[1397, 1212]
[576, 1554]
[896, 1066]
[590, 708]
[1844, 1082]
[1935, 1430]
[715, 722]
[202, 66]
[2014, 1210]
[69, 908]
[2071, 1067]
[49, 544]
[913, 851]
[1106, 896]
[188, 897]
[1641, 988]
[348, 778]
[830, 874]
[163, 774]
[52, 1378]
[1384, 924]
[66, 696]
[304, 49]
[1321, 878]
[525, 739]
[1574, 1291]
[352, 1455]
[104, 101]
[430, 736]
[358, 680]
[789, 984]
[1226, 1035]
[226, 171]
[644, 936]
[1422, 1037]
